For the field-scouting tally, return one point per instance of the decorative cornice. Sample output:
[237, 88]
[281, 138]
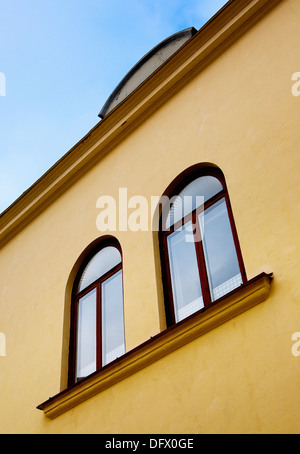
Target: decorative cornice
[234, 19]
[240, 300]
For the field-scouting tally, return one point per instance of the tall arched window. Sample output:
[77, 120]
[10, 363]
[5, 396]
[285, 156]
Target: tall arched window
[200, 253]
[97, 315]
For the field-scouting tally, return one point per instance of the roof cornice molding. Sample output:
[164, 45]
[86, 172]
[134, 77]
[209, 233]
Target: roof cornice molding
[233, 20]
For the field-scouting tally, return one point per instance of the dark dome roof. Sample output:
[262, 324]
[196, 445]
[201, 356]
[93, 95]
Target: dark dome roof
[145, 67]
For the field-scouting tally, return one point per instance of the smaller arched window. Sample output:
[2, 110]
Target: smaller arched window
[97, 325]
[200, 253]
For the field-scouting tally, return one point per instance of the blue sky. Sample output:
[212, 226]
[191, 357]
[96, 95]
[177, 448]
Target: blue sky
[61, 60]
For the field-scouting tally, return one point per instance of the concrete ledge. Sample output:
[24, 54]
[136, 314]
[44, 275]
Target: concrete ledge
[241, 299]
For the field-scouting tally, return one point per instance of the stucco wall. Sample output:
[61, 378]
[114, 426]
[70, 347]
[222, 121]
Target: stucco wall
[239, 114]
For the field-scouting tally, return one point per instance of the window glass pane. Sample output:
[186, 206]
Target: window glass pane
[100, 264]
[185, 278]
[219, 249]
[86, 335]
[191, 197]
[113, 343]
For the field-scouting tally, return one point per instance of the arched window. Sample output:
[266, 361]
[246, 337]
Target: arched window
[200, 253]
[97, 315]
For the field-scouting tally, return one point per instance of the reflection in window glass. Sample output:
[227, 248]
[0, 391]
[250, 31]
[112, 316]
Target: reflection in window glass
[184, 273]
[219, 249]
[86, 335]
[113, 344]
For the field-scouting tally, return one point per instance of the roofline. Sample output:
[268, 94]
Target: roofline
[231, 22]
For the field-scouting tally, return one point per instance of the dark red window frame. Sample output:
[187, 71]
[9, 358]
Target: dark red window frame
[174, 189]
[76, 296]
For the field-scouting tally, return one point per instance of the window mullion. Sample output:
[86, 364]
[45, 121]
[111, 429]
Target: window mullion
[201, 260]
[99, 326]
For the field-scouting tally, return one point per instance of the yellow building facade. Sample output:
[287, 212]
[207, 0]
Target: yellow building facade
[227, 99]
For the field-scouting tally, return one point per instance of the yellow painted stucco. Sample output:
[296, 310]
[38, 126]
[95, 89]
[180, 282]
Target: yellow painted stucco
[239, 114]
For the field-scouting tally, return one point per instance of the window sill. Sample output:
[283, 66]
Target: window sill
[245, 297]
